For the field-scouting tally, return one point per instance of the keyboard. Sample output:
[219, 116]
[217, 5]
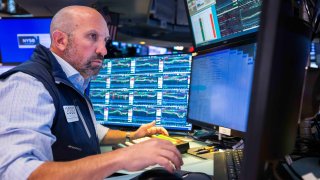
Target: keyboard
[227, 164]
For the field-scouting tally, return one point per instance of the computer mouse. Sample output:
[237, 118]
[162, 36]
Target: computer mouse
[158, 174]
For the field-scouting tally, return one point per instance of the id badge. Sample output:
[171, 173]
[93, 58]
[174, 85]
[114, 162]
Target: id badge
[71, 113]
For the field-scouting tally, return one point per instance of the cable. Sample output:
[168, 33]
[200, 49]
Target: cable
[274, 173]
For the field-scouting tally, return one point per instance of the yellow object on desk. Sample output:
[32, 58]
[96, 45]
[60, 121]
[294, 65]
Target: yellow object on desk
[173, 140]
[182, 146]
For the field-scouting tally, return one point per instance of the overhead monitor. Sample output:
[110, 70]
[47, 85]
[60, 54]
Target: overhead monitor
[19, 36]
[218, 22]
[132, 91]
[220, 88]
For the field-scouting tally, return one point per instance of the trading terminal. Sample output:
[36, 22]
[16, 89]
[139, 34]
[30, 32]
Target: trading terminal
[242, 103]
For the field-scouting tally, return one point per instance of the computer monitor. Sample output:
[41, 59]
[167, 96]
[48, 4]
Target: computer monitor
[220, 88]
[282, 53]
[19, 36]
[132, 91]
[221, 22]
[315, 53]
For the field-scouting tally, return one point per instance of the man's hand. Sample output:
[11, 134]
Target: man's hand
[148, 130]
[148, 153]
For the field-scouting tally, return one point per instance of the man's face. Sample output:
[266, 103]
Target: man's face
[86, 46]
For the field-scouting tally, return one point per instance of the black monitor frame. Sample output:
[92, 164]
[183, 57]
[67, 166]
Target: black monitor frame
[282, 55]
[214, 127]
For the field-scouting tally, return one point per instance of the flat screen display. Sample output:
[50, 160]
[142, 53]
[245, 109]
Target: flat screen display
[132, 91]
[221, 86]
[215, 21]
[315, 54]
[19, 36]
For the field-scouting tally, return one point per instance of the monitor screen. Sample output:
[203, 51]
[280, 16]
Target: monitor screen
[315, 54]
[221, 86]
[19, 36]
[220, 21]
[132, 91]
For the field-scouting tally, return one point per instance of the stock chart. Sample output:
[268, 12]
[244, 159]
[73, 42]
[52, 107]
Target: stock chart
[137, 90]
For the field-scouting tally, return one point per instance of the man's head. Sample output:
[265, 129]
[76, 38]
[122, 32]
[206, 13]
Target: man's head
[78, 35]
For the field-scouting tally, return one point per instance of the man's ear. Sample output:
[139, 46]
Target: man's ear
[60, 40]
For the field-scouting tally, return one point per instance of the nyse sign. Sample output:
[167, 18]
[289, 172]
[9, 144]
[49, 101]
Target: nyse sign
[31, 40]
[28, 40]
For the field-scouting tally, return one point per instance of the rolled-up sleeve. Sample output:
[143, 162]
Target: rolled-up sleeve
[101, 131]
[26, 115]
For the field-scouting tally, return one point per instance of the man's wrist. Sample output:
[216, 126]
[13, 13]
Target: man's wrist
[128, 136]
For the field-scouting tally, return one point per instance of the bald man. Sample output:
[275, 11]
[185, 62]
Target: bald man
[47, 128]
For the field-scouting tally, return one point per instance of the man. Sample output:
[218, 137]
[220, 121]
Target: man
[47, 128]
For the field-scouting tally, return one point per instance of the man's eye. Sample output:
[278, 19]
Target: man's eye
[93, 36]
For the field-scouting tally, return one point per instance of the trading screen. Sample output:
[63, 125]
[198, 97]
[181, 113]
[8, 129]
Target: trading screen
[132, 91]
[214, 21]
[221, 86]
[315, 53]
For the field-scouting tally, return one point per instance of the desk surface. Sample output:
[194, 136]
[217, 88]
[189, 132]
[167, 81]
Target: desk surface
[191, 163]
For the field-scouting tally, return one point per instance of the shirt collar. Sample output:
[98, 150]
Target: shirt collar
[72, 74]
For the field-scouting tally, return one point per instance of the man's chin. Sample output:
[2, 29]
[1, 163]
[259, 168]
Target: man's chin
[95, 71]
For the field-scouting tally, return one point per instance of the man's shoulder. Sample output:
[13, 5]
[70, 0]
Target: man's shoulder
[31, 68]
[21, 75]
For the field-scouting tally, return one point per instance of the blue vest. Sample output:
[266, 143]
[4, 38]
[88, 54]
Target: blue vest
[73, 140]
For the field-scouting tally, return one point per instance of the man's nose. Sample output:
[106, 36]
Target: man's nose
[102, 49]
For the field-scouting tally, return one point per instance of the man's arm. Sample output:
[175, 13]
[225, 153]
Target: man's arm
[117, 136]
[133, 158]
[92, 167]
[26, 115]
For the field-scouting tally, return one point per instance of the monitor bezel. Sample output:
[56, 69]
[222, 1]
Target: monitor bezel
[130, 128]
[209, 126]
[218, 43]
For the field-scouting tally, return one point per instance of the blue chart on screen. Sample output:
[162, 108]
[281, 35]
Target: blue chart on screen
[134, 91]
[221, 86]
